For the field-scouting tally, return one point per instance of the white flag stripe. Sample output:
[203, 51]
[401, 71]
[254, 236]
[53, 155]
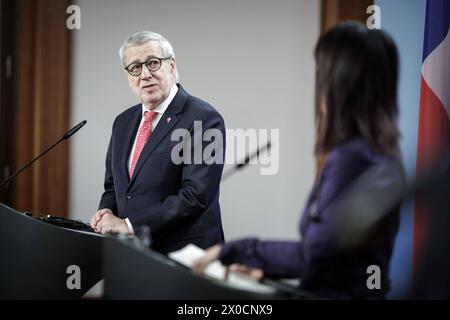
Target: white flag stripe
[436, 72]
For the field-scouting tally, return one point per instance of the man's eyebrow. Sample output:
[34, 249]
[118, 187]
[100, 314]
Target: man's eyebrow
[145, 59]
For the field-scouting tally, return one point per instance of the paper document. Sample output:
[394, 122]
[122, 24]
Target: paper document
[187, 255]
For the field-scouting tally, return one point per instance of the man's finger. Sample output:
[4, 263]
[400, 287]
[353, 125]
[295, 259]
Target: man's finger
[93, 222]
[104, 211]
[99, 227]
[95, 219]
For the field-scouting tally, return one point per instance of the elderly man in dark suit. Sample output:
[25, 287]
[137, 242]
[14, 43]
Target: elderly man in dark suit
[146, 184]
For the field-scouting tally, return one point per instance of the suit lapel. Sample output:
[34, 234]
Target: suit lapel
[129, 131]
[163, 128]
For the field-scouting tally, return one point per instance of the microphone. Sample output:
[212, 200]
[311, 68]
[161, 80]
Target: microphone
[246, 161]
[72, 131]
[68, 134]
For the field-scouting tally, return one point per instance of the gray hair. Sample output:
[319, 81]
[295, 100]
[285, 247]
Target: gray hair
[142, 37]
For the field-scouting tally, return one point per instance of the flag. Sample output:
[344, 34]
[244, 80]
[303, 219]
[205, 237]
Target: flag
[434, 114]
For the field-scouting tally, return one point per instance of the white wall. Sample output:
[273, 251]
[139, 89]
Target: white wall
[252, 60]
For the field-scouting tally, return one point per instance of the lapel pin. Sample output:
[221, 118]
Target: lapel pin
[168, 120]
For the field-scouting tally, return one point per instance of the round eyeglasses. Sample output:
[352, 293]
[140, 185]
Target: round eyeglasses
[153, 64]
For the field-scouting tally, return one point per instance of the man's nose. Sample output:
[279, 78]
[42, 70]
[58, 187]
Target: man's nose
[145, 74]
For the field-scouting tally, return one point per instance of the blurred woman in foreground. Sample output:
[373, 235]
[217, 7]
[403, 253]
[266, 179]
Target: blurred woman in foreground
[356, 110]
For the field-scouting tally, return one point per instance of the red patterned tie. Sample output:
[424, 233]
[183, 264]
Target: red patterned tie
[144, 133]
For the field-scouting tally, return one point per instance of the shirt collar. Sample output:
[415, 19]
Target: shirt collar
[165, 104]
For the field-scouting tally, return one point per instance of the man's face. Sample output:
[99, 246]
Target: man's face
[151, 88]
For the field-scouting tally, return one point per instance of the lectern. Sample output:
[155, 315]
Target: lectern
[133, 272]
[36, 258]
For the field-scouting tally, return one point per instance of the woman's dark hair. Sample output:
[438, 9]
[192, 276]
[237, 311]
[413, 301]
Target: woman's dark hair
[356, 82]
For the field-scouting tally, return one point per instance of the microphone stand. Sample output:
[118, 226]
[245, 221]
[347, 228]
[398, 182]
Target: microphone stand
[65, 137]
[246, 161]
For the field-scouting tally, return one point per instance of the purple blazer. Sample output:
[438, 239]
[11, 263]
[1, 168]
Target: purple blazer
[324, 267]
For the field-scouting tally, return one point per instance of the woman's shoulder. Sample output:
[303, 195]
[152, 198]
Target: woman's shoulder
[358, 150]
[354, 156]
[355, 150]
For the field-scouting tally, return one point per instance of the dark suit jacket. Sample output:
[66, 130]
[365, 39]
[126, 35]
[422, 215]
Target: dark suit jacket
[326, 268]
[180, 202]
